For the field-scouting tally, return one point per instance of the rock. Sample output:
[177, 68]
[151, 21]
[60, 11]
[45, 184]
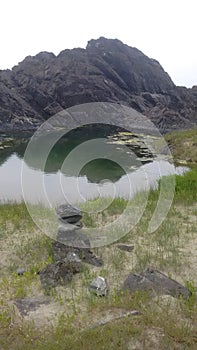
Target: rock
[106, 71]
[126, 247]
[75, 262]
[66, 226]
[68, 214]
[135, 282]
[60, 272]
[155, 282]
[98, 286]
[166, 285]
[20, 271]
[29, 304]
[73, 238]
[91, 258]
[60, 251]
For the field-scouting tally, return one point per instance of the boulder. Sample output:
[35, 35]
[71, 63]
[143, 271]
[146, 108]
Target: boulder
[166, 285]
[136, 282]
[155, 282]
[61, 272]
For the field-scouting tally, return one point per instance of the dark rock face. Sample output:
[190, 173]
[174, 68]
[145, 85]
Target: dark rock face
[154, 281]
[106, 71]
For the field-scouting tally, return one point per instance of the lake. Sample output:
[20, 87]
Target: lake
[83, 165]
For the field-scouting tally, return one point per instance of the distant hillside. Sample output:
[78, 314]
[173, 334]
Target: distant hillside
[108, 71]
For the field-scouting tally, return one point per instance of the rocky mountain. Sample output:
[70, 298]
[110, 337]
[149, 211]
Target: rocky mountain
[108, 71]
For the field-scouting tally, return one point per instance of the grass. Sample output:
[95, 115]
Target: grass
[157, 327]
[75, 318]
[14, 216]
[186, 187]
[184, 146]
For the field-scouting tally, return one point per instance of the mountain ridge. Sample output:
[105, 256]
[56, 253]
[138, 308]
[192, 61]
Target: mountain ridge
[105, 71]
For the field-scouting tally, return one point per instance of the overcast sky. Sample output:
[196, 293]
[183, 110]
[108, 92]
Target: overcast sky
[162, 29]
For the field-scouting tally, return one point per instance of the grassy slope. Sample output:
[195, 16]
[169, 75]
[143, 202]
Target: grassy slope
[184, 146]
[164, 323]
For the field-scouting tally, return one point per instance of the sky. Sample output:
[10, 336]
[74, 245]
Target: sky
[161, 29]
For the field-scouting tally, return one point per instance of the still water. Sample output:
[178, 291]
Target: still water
[113, 169]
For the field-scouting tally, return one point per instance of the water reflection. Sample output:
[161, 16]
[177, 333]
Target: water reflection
[121, 172]
[58, 187]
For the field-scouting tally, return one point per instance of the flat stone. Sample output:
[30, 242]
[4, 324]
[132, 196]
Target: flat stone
[67, 226]
[166, 285]
[73, 238]
[68, 213]
[155, 282]
[135, 282]
[29, 304]
[126, 247]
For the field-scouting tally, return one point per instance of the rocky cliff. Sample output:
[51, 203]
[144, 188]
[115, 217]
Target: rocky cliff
[108, 71]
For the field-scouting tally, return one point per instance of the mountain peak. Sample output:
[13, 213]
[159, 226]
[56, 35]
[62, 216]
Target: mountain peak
[107, 71]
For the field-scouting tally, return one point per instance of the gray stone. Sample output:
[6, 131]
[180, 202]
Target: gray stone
[166, 285]
[135, 282]
[98, 286]
[29, 304]
[20, 271]
[126, 247]
[61, 272]
[68, 214]
[74, 261]
[60, 251]
[67, 226]
[155, 282]
[73, 238]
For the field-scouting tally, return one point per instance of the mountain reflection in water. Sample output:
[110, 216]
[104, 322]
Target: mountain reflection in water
[98, 177]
